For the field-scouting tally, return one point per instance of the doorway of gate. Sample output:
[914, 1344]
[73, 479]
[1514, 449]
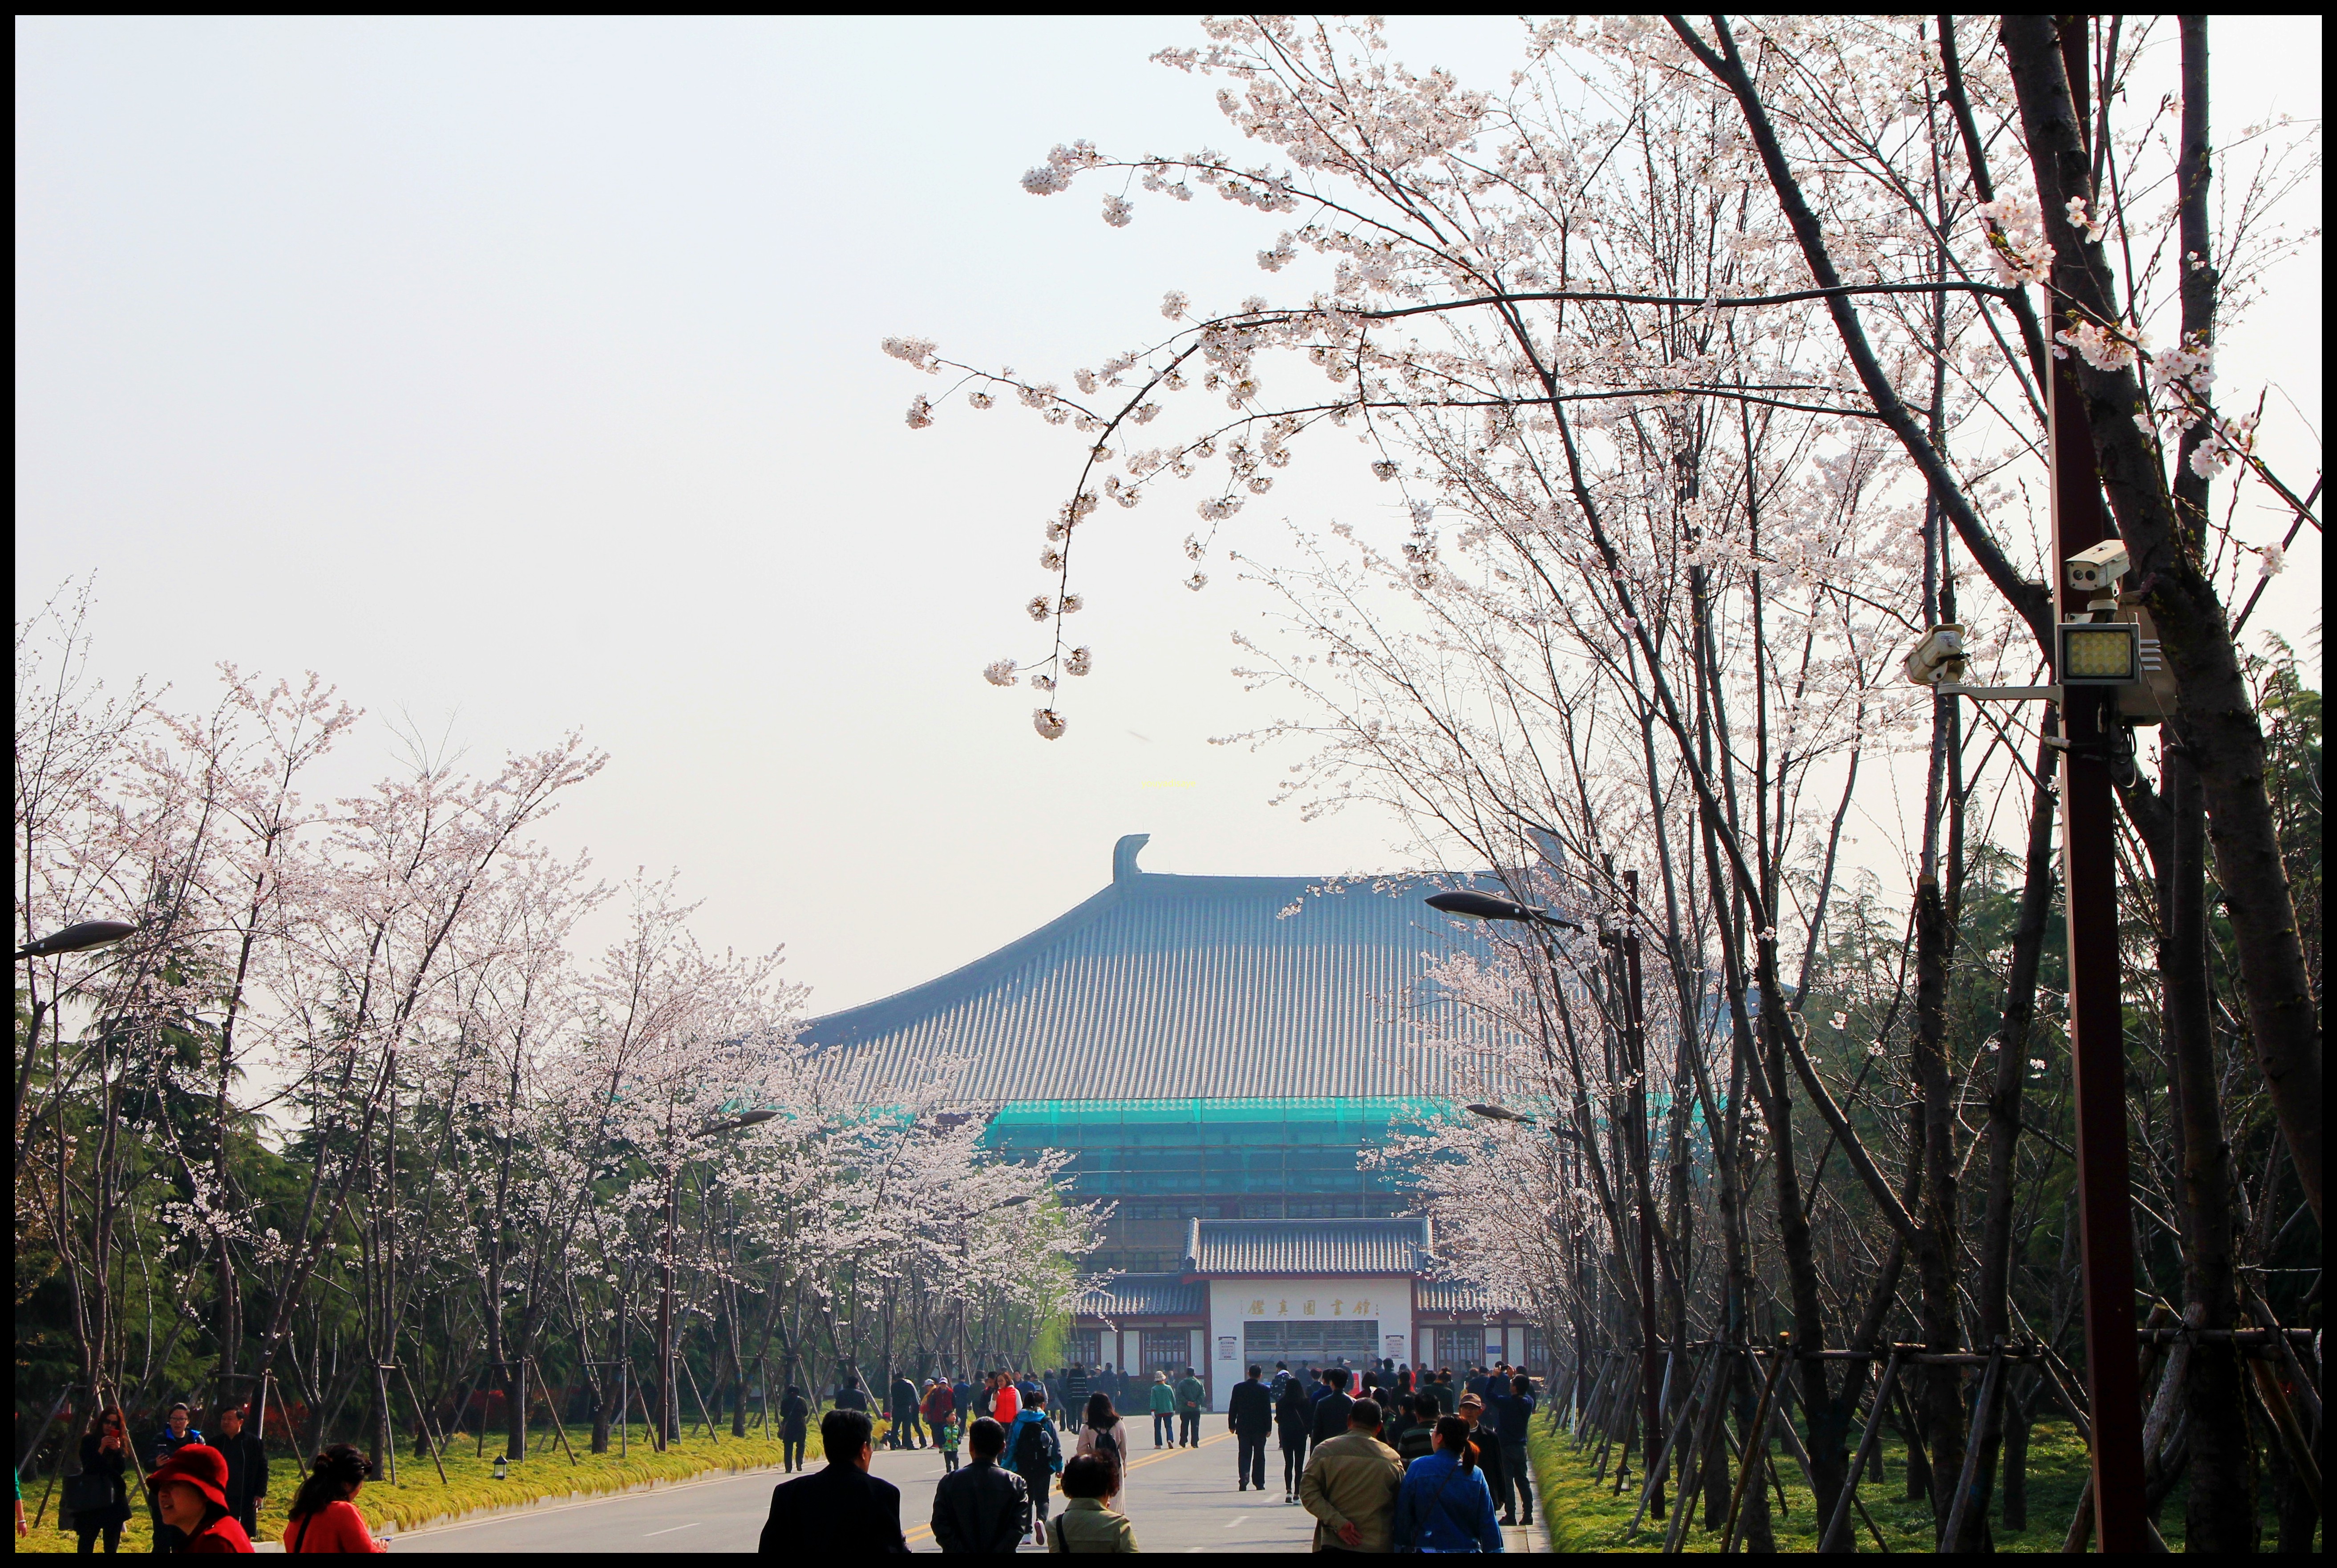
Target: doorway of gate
[1353, 1341]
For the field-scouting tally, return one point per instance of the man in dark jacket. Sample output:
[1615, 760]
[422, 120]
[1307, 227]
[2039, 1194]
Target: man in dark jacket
[795, 1417]
[1513, 1409]
[1076, 1389]
[983, 1507]
[903, 1396]
[1487, 1443]
[247, 1468]
[1331, 1410]
[1249, 1416]
[179, 1431]
[839, 1512]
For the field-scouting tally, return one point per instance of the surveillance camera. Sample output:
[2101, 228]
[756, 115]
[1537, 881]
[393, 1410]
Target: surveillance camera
[1939, 656]
[2099, 568]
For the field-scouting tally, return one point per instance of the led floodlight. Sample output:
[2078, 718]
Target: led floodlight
[2100, 653]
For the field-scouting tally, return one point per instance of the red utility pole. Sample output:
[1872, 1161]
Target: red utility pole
[2096, 1030]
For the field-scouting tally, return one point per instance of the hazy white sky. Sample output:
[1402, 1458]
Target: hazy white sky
[521, 376]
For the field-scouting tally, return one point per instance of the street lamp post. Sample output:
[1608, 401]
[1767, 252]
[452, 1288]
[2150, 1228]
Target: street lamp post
[669, 1407]
[1485, 906]
[76, 938]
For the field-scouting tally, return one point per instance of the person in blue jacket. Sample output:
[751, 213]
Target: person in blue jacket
[1444, 1504]
[1034, 1453]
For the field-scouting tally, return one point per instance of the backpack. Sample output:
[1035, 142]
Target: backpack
[1030, 1448]
[1106, 1446]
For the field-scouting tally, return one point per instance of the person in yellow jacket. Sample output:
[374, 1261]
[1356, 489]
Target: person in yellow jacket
[1351, 1484]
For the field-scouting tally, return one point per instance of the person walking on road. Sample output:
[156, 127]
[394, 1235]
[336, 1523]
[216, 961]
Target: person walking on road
[1104, 1436]
[1087, 1522]
[1419, 1439]
[1448, 1398]
[840, 1510]
[1190, 1395]
[1076, 1389]
[98, 1496]
[1161, 1400]
[1331, 1410]
[1488, 1445]
[1351, 1484]
[795, 1418]
[1514, 1407]
[246, 1466]
[1293, 1423]
[940, 1420]
[1249, 1416]
[962, 1394]
[324, 1516]
[1036, 1456]
[1005, 1399]
[901, 1400]
[1444, 1504]
[983, 1507]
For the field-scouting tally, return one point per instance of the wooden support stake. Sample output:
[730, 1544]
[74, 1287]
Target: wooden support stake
[657, 1438]
[423, 1417]
[692, 1378]
[558, 1425]
[1711, 1433]
[1656, 1472]
[1755, 1449]
[1866, 1442]
[1969, 1479]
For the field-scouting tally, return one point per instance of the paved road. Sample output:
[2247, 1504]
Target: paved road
[1179, 1500]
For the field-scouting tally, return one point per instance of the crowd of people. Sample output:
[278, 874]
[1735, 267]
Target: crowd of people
[203, 1493]
[1405, 1462]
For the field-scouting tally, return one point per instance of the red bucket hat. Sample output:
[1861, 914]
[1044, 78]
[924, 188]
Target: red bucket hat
[197, 1465]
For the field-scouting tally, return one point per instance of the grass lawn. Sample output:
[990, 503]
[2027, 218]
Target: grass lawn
[420, 1496]
[1585, 1516]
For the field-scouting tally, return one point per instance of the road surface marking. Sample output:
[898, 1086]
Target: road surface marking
[1236, 1520]
[691, 1526]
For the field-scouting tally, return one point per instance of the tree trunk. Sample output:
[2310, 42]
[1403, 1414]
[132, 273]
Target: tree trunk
[1941, 1386]
[2018, 1416]
[2220, 1512]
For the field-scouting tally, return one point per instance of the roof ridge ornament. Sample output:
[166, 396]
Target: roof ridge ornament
[1123, 857]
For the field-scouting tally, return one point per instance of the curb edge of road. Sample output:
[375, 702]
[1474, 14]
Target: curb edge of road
[571, 1499]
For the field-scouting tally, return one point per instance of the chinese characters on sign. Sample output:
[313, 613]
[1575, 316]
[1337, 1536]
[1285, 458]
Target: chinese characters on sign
[1355, 1306]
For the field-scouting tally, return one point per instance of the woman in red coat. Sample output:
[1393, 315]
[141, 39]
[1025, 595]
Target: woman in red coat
[324, 1518]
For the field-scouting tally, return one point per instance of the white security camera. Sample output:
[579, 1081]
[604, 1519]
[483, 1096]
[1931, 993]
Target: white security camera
[1939, 656]
[2098, 569]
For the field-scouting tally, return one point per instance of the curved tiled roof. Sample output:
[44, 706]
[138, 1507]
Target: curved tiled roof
[1448, 1296]
[1144, 1296]
[1176, 988]
[1219, 1247]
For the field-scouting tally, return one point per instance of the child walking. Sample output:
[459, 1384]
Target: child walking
[945, 1435]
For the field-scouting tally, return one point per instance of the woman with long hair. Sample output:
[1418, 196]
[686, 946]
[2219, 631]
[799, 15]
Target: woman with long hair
[1293, 1419]
[1104, 1436]
[99, 1497]
[1444, 1504]
[325, 1516]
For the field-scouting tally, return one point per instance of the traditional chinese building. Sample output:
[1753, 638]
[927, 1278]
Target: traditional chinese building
[1217, 1054]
